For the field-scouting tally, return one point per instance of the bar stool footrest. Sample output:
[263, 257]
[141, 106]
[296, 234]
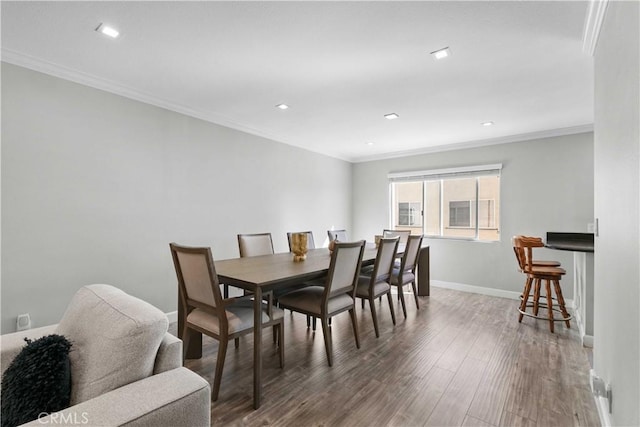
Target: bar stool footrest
[557, 310]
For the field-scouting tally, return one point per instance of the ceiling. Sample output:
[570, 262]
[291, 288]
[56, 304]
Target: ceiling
[340, 66]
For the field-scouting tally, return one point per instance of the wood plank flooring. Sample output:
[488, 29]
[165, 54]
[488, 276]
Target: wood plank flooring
[461, 360]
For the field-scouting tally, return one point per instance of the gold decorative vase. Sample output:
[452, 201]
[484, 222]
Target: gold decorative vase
[299, 246]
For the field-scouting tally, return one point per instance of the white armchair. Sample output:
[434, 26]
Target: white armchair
[161, 394]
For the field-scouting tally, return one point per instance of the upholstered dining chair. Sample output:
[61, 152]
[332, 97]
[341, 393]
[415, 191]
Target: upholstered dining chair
[252, 245]
[339, 235]
[402, 234]
[336, 296]
[255, 244]
[310, 242]
[208, 313]
[377, 284]
[405, 273]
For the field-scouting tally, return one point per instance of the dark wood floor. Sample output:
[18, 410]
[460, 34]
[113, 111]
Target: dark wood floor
[461, 360]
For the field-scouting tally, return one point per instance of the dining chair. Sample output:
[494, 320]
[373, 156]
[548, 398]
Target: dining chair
[336, 296]
[255, 244]
[403, 234]
[377, 284]
[259, 244]
[208, 313]
[339, 235]
[310, 242]
[405, 273]
[523, 247]
[252, 245]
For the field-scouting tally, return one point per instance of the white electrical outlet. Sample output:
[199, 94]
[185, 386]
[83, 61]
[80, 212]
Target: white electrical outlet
[23, 322]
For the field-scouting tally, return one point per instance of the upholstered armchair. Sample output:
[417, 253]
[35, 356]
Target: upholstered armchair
[126, 369]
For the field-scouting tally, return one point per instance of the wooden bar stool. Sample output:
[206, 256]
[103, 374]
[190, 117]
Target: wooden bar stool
[536, 274]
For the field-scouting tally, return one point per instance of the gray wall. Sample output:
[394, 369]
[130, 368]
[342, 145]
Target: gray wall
[95, 186]
[617, 198]
[546, 185]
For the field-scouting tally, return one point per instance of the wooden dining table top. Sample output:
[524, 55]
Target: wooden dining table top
[278, 270]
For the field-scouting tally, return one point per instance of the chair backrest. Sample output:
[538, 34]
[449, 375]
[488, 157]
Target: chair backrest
[197, 278]
[310, 243]
[385, 257]
[344, 269]
[523, 248]
[411, 251]
[255, 244]
[339, 235]
[402, 234]
[519, 251]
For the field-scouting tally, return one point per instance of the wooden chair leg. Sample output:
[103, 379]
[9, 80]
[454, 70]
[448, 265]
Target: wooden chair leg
[281, 343]
[362, 303]
[374, 316]
[525, 298]
[415, 294]
[354, 322]
[536, 297]
[560, 298]
[236, 342]
[222, 352]
[313, 323]
[225, 291]
[308, 320]
[393, 314]
[401, 298]
[549, 304]
[327, 340]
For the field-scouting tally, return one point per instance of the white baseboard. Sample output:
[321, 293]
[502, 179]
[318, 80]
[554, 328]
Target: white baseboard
[603, 410]
[587, 340]
[173, 316]
[485, 291]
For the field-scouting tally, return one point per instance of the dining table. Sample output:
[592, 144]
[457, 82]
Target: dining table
[262, 274]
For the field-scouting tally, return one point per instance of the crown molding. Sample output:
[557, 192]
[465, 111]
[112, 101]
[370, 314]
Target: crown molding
[57, 70]
[480, 143]
[593, 24]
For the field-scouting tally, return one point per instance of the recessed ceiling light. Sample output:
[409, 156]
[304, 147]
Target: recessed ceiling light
[391, 116]
[282, 106]
[487, 124]
[369, 143]
[108, 31]
[441, 53]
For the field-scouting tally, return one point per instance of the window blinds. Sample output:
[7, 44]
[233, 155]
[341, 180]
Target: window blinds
[435, 174]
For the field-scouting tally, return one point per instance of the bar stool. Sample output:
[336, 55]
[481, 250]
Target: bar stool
[536, 274]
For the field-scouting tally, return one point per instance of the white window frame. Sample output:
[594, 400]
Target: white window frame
[441, 175]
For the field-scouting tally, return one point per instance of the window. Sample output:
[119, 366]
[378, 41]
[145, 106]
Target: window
[460, 213]
[461, 203]
[409, 213]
